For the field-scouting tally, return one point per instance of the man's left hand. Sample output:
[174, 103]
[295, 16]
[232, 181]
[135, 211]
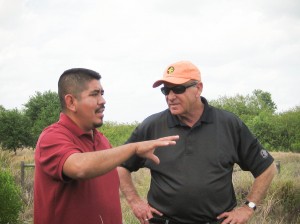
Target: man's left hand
[237, 216]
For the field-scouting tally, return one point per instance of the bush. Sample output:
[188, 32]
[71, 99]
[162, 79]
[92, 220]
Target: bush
[5, 158]
[117, 133]
[42, 109]
[10, 200]
[14, 130]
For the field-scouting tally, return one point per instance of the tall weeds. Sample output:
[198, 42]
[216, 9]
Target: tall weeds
[12, 162]
[280, 206]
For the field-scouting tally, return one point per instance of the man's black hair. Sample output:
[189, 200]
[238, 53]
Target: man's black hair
[73, 81]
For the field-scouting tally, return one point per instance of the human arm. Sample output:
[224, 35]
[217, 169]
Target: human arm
[91, 164]
[259, 189]
[141, 209]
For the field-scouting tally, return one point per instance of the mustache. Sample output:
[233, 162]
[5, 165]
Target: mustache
[100, 109]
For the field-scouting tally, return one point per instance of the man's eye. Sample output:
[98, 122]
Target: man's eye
[94, 94]
[102, 92]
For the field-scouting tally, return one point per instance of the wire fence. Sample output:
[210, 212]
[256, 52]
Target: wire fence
[24, 165]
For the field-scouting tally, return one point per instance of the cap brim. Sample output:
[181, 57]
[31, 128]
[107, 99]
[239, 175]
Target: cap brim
[171, 80]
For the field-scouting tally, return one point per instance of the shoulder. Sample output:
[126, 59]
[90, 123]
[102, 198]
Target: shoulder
[225, 113]
[212, 114]
[150, 127]
[56, 131]
[155, 118]
[224, 116]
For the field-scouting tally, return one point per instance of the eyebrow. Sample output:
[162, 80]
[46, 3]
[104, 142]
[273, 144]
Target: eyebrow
[97, 91]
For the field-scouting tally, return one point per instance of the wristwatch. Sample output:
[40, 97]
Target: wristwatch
[251, 205]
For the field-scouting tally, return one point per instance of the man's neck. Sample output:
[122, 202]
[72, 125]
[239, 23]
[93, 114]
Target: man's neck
[192, 118]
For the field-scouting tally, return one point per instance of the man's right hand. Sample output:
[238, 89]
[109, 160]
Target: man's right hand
[143, 211]
[146, 149]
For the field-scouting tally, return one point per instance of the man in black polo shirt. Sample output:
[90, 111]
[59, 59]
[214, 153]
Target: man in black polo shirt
[193, 182]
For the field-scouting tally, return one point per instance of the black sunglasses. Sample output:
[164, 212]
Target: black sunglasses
[176, 89]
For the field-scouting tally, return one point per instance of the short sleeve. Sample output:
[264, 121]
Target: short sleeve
[135, 162]
[53, 150]
[253, 156]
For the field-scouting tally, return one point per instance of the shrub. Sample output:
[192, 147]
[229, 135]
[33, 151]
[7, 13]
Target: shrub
[42, 109]
[10, 200]
[5, 158]
[117, 133]
[14, 130]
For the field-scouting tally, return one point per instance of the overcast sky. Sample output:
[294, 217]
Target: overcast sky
[239, 46]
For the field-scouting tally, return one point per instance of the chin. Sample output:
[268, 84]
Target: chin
[98, 125]
[175, 112]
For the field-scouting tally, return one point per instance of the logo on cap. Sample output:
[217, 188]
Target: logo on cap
[170, 70]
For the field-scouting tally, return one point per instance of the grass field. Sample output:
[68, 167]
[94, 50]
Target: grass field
[281, 205]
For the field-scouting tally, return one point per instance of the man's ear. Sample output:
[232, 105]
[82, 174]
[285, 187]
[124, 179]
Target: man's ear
[71, 102]
[200, 88]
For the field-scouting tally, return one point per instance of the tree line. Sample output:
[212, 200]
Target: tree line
[276, 131]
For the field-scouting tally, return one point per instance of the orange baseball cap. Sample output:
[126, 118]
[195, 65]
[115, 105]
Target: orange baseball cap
[179, 73]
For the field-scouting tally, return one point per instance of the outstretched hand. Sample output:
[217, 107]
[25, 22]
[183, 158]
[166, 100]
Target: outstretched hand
[146, 149]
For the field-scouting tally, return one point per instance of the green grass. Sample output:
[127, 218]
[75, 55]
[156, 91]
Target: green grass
[280, 206]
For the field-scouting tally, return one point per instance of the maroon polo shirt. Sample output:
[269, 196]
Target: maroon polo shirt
[58, 199]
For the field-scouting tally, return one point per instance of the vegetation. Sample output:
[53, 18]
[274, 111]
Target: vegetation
[11, 203]
[42, 110]
[279, 132]
[117, 133]
[281, 205]
[20, 129]
[276, 131]
[14, 130]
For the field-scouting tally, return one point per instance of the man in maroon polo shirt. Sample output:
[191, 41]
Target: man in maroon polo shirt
[75, 176]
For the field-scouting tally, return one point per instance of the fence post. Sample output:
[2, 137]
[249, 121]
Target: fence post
[22, 173]
[277, 162]
[23, 166]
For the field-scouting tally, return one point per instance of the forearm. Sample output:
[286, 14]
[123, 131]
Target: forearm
[126, 185]
[92, 164]
[257, 193]
[261, 184]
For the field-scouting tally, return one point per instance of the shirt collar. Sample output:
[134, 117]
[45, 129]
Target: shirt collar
[66, 121]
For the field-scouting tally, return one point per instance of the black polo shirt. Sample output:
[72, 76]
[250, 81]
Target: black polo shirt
[193, 182]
